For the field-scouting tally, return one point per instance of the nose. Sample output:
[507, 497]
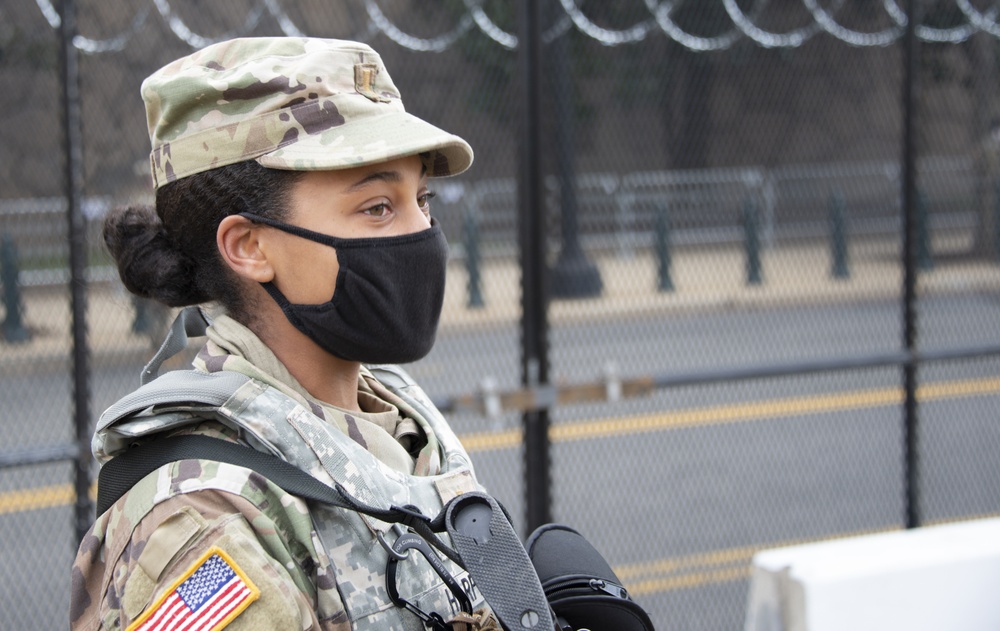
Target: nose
[413, 218]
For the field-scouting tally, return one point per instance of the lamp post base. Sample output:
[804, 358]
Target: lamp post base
[574, 276]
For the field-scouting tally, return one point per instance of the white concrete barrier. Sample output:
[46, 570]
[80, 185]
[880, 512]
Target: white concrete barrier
[933, 578]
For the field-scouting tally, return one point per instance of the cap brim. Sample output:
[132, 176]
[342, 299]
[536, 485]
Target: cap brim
[373, 140]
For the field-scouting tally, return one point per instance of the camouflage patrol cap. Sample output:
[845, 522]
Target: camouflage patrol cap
[290, 103]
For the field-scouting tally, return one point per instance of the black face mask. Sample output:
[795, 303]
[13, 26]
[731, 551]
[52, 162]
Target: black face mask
[387, 301]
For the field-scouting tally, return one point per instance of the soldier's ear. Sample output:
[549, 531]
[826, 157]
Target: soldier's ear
[240, 244]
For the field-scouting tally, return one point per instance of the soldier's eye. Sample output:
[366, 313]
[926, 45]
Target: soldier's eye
[424, 201]
[378, 210]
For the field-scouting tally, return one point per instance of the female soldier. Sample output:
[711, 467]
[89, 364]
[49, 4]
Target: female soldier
[291, 191]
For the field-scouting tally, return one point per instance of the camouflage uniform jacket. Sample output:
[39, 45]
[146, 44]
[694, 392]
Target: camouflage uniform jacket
[302, 566]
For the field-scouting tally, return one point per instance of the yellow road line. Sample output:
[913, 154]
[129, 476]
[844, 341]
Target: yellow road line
[491, 441]
[687, 581]
[40, 497]
[740, 412]
[664, 566]
[36, 498]
[62, 494]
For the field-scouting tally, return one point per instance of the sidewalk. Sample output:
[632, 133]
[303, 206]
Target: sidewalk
[713, 278]
[705, 278]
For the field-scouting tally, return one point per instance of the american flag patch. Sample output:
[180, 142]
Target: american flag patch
[207, 598]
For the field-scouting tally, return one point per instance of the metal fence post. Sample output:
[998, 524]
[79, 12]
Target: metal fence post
[534, 290]
[73, 157]
[911, 471]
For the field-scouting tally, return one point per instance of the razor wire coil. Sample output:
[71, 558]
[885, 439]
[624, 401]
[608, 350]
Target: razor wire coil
[744, 27]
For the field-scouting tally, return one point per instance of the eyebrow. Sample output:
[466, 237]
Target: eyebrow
[393, 177]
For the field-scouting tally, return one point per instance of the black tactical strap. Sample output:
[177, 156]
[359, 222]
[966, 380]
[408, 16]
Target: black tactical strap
[124, 471]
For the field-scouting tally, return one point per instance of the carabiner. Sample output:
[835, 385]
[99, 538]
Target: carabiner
[385, 544]
[400, 549]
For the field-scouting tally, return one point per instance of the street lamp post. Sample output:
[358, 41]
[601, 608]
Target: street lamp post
[573, 275]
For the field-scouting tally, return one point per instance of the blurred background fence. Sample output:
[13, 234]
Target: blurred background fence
[757, 302]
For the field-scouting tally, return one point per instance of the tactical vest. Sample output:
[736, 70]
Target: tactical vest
[270, 421]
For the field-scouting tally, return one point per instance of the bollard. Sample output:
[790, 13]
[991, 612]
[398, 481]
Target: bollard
[751, 229]
[925, 260]
[13, 327]
[838, 234]
[150, 319]
[142, 323]
[470, 230]
[663, 255]
[996, 220]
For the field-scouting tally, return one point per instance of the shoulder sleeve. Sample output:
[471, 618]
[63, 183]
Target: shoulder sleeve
[209, 558]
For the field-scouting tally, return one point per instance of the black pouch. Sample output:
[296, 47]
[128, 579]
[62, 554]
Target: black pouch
[582, 589]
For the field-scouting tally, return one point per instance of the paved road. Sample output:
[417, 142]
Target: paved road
[697, 498]
[700, 341]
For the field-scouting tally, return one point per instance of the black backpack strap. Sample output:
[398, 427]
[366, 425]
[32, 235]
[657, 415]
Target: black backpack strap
[478, 525]
[124, 471]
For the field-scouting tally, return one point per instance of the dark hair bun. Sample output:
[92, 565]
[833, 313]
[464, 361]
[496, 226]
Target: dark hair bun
[148, 263]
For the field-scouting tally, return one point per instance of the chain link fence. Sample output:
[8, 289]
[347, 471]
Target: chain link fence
[724, 235]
